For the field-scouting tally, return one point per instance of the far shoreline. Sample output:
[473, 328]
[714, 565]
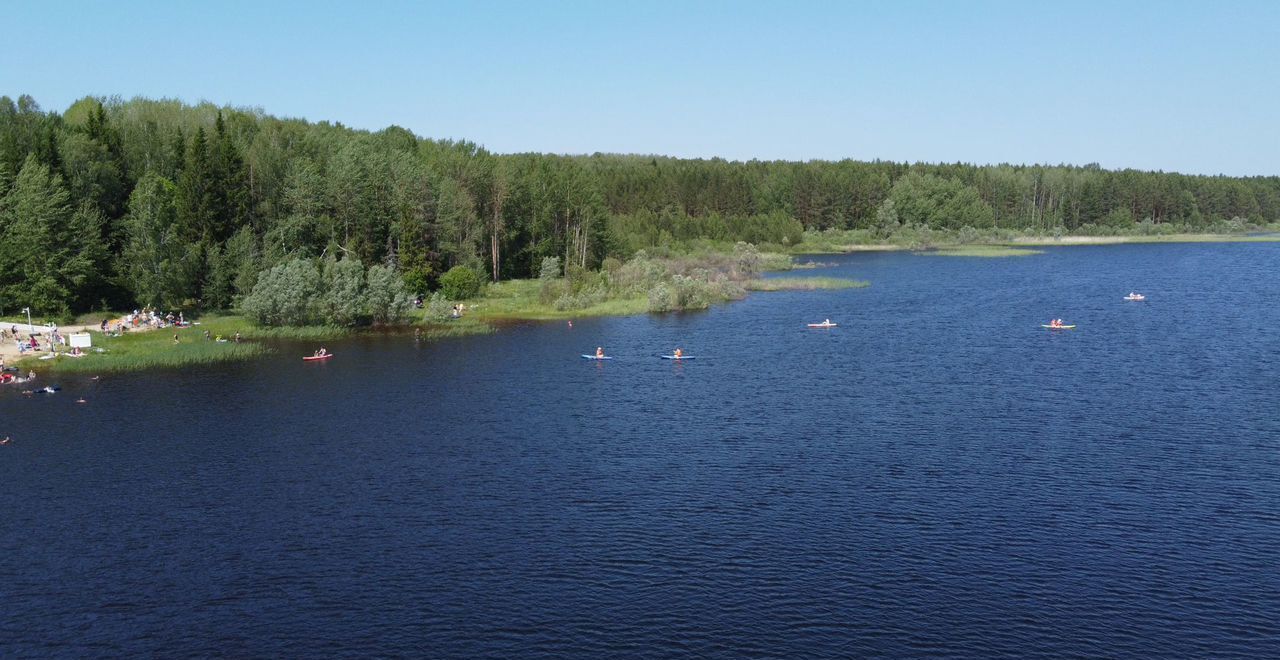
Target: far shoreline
[1050, 241]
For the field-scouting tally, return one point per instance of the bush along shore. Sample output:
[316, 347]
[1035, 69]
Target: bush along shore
[310, 301]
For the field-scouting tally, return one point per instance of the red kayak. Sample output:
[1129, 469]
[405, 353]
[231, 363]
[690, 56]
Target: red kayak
[326, 356]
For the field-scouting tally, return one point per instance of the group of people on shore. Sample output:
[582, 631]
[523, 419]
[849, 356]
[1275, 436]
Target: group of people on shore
[34, 341]
[146, 318]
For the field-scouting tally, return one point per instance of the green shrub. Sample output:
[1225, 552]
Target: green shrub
[661, 298]
[550, 268]
[285, 295]
[439, 309]
[461, 283]
[386, 298]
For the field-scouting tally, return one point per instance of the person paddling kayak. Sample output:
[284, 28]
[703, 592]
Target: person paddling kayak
[678, 353]
[599, 351]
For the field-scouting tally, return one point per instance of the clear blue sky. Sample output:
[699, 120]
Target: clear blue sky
[1191, 87]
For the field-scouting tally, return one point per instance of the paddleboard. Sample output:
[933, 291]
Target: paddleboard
[596, 357]
[1057, 327]
[309, 358]
[673, 357]
[823, 325]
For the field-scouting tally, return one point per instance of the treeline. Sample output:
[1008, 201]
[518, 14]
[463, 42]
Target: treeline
[123, 203]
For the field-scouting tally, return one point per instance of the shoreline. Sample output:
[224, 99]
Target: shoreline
[510, 303]
[1048, 241]
[142, 351]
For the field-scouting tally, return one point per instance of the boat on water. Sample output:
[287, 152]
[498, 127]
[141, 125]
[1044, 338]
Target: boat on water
[1056, 327]
[825, 324]
[1135, 297]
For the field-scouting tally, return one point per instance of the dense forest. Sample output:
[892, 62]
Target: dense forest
[116, 204]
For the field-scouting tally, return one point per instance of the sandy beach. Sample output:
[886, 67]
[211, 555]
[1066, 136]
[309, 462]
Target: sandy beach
[9, 347]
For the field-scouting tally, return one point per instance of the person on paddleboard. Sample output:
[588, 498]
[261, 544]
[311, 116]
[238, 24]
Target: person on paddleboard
[678, 353]
[599, 351]
[320, 353]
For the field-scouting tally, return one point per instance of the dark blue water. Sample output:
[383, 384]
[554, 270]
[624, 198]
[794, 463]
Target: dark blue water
[938, 476]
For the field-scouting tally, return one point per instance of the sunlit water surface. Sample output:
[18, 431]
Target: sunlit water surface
[938, 476]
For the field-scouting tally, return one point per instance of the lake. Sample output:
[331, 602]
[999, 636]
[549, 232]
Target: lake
[937, 476]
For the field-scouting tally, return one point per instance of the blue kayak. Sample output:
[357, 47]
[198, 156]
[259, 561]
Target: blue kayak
[681, 357]
[596, 357]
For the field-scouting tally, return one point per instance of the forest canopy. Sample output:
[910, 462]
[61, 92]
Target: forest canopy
[122, 203]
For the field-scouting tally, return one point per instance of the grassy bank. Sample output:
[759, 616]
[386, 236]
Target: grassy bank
[647, 283]
[472, 324]
[523, 300]
[155, 349]
[148, 350]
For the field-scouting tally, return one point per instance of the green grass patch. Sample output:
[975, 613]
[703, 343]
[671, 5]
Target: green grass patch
[463, 327]
[518, 299]
[804, 284]
[995, 251]
[155, 349]
[149, 350]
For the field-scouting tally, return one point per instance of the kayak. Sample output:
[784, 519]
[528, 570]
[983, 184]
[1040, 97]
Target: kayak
[677, 357]
[596, 357]
[1135, 298]
[1057, 327]
[823, 325]
[309, 358]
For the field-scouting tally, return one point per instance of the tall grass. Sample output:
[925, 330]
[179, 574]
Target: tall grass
[985, 251]
[523, 299]
[149, 350]
[805, 284]
[228, 325]
[463, 327]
